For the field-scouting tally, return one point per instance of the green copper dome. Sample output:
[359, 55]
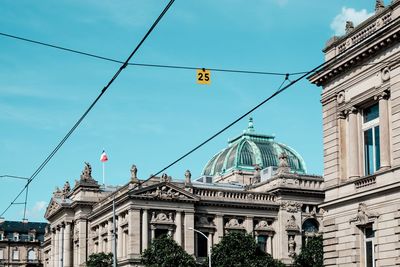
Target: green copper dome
[250, 149]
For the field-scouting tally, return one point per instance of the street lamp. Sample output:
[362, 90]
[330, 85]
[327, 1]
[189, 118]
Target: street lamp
[208, 244]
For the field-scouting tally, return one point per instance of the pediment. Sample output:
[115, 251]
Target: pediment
[164, 191]
[52, 208]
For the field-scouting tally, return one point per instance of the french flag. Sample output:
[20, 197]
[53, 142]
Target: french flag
[103, 157]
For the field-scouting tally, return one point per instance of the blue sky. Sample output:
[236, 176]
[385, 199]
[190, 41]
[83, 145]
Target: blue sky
[152, 116]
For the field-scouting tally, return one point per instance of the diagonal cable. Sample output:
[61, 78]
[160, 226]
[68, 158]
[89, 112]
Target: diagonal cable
[60, 144]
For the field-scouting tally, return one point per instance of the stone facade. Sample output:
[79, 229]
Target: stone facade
[280, 212]
[361, 136]
[20, 243]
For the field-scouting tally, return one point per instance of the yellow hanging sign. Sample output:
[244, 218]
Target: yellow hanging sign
[203, 76]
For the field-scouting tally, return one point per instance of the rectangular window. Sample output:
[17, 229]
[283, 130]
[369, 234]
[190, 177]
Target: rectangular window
[202, 246]
[15, 255]
[371, 139]
[1, 254]
[262, 242]
[369, 246]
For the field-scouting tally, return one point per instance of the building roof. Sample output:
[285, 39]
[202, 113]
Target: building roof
[250, 149]
[23, 229]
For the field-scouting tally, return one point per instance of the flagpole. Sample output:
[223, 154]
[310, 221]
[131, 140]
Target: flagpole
[103, 174]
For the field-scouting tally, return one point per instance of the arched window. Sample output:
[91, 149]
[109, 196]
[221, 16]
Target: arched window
[31, 255]
[310, 229]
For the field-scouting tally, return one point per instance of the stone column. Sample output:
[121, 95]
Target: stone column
[60, 246]
[219, 223]
[120, 239]
[153, 233]
[109, 236]
[342, 146]
[145, 229]
[178, 224]
[269, 244]
[67, 245]
[249, 225]
[209, 241]
[100, 240]
[354, 163]
[53, 247]
[189, 234]
[134, 231]
[57, 248]
[82, 241]
[384, 131]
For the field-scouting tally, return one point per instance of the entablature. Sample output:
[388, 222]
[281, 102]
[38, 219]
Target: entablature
[356, 55]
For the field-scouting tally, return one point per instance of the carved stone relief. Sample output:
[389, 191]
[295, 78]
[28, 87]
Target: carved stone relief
[291, 224]
[291, 206]
[164, 193]
[364, 216]
[161, 218]
[234, 223]
[263, 226]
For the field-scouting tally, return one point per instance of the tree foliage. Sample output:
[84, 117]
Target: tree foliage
[240, 249]
[311, 254]
[165, 252]
[100, 260]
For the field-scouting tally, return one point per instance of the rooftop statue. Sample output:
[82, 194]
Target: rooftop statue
[134, 173]
[379, 5]
[87, 172]
[349, 26]
[188, 177]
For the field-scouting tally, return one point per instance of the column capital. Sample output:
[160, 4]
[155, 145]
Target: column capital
[342, 114]
[383, 95]
[352, 110]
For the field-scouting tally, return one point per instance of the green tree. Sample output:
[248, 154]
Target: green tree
[240, 249]
[165, 252]
[100, 260]
[311, 254]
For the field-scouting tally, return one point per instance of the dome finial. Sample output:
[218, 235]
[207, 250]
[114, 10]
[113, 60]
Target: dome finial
[250, 128]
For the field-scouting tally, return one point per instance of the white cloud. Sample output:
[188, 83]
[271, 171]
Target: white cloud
[39, 206]
[37, 211]
[348, 14]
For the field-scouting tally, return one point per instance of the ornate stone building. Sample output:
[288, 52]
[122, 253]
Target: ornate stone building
[20, 243]
[361, 119]
[255, 185]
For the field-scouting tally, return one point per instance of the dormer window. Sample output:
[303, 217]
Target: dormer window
[16, 237]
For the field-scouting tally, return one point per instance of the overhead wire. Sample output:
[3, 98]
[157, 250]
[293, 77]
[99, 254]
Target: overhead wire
[279, 91]
[13, 176]
[143, 64]
[60, 144]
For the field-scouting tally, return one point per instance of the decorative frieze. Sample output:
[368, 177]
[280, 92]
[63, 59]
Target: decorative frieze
[164, 192]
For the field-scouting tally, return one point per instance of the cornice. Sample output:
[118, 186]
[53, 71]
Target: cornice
[360, 196]
[361, 30]
[357, 54]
